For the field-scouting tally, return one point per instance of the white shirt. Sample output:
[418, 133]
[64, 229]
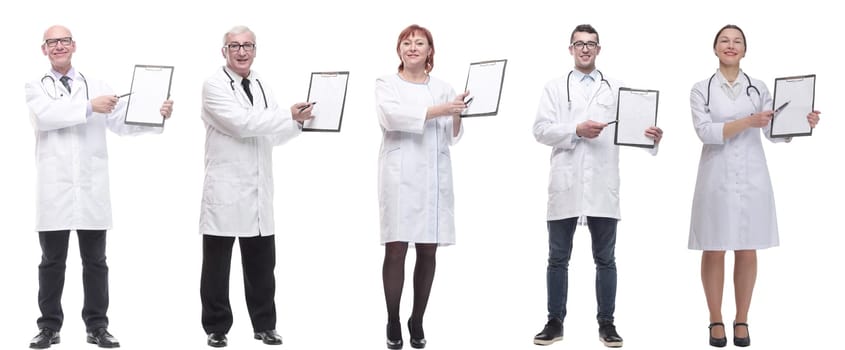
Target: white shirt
[584, 174]
[237, 197]
[733, 206]
[416, 200]
[70, 152]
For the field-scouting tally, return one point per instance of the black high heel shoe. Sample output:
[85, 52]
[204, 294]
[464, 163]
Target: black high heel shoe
[394, 344]
[417, 338]
[717, 342]
[742, 342]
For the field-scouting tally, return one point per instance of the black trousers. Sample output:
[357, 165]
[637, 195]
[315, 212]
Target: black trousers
[51, 278]
[258, 257]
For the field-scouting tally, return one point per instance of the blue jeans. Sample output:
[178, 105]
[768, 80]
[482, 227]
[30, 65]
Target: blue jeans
[603, 232]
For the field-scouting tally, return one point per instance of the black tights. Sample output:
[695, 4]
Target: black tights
[393, 276]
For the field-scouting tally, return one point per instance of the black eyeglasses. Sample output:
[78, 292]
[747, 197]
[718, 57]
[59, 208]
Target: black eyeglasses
[235, 46]
[53, 42]
[580, 45]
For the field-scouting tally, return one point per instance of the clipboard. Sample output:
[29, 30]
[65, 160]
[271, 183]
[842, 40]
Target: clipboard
[797, 95]
[327, 92]
[484, 83]
[150, 88]
[636, 111]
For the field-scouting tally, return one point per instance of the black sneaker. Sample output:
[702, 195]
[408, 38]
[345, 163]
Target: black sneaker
[608, 335]
[552, 332]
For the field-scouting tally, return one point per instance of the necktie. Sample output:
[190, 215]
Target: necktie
[245, 83]
[64, 80]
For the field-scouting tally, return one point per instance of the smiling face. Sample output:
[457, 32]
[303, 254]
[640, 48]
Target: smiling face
[729, 47]
[585, 56]
[239, 51]
[414, 51]
[58, 46]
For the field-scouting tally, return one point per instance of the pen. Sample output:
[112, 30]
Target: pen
[469, 101]
[306, 106]
[612, 122]
[124, 95]
[782, 107]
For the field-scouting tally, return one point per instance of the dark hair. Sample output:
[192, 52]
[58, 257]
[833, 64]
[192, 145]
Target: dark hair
[730, 26]
[420, 31]
[586, 28]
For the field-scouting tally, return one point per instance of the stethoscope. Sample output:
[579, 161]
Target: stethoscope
[603, 80]
[55, 94]
[747, 90]
[232, 84]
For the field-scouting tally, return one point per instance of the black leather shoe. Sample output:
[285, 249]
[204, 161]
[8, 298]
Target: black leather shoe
[717, 342]
[741, 342]
[608, 335]
[102, 338]
[217, 340]
[44, 339]
[552, 332]
[394, 336]
[417, 336]
[269, 337]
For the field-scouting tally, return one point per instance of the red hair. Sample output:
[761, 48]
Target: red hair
[415, 30]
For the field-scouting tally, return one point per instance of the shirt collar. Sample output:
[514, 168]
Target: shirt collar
[585, 78]
[740, 81]
[70, 73]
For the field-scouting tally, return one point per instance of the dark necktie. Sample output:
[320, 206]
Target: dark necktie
[245, 83]
[64, 80]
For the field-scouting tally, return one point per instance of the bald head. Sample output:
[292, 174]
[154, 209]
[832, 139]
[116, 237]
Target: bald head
[57, 31]
[58, 46]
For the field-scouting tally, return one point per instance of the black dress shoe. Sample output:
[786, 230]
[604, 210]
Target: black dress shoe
[608, 335]
[394, 336]
[44, 339]
[741, 342]
[417, 335]
[717, 342]
[552, 332]
[217, 340]
[102, 338]
[269, 337]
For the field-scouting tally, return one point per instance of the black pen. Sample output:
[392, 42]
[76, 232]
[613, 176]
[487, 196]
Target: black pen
[469, 101]
[124, 95]
[781, 107]
[306, 106]
[612, 122]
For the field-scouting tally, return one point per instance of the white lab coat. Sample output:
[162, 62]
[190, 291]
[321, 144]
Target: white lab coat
[584, 174]
[70, 152]
[237, 196]
[733, 207]
[416, 200]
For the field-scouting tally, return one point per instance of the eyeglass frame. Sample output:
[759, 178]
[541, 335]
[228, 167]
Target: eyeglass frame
[53, 42]
[582, 44]
[233, 46]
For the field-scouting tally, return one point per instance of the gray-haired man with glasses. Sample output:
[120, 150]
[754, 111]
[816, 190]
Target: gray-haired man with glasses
[243, 123]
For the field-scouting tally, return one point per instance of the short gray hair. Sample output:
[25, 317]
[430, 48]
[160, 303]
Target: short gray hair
[238, 30]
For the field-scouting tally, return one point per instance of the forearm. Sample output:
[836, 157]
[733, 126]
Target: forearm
[735, 127]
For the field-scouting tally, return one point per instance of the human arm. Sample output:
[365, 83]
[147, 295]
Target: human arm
[222, 110]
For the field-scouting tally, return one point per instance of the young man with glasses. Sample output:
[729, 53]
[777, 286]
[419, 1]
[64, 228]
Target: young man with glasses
[70, 114]
[243, 123]
[584, 180]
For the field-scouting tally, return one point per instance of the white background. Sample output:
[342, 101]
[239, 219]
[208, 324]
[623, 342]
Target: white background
[489, 291]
